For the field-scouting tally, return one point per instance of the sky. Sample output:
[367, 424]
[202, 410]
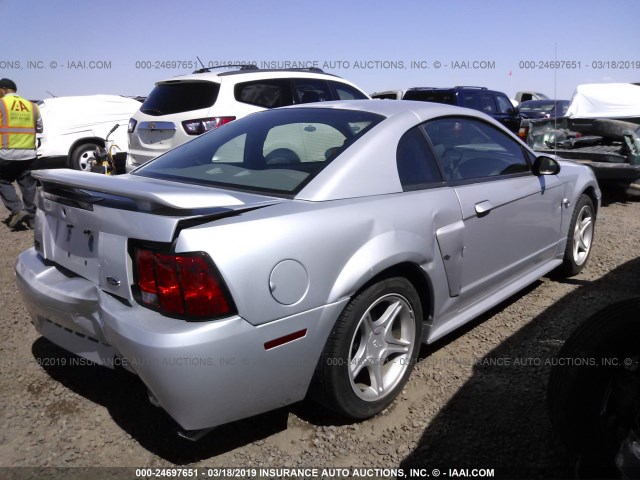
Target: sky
[123, 47]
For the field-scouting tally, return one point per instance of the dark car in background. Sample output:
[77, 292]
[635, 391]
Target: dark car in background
[543, 108]
[493, 103]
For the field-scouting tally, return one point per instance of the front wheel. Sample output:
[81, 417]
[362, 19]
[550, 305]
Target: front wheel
[82, 156]
[371, 350]
[580, 239]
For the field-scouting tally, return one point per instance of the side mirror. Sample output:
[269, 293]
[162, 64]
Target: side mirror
[544, 165]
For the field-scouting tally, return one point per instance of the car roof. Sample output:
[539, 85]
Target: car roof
[390, 108]
[457, 88]
[257, 74]
[371, 155]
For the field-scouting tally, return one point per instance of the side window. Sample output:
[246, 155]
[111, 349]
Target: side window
[415, 162]
[487, 103]
[469, 148]
[347, 92]
[309, 90]
[504, 104]
[264, 93]
[470, 100]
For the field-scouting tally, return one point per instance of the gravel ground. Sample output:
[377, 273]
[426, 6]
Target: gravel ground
[475, 400]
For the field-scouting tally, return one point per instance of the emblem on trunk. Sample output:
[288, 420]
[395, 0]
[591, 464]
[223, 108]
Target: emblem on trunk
[113, 281]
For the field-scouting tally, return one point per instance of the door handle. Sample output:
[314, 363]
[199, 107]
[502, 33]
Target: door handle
[483, 208]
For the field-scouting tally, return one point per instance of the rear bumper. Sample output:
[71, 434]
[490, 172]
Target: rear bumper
[202, 373]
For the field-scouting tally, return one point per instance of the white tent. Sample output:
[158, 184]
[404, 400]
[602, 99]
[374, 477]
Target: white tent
[605, 100]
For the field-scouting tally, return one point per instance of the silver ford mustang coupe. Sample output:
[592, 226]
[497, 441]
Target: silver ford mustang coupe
[302, 251]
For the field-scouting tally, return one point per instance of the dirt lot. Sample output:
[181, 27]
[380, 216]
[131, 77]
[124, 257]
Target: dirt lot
[475, 400]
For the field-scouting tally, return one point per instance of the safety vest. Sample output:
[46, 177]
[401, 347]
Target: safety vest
[17, 123]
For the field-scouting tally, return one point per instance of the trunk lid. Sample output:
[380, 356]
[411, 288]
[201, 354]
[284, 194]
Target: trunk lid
[89, 218]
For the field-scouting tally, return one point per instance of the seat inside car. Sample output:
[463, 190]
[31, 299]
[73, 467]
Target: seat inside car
[310, 97]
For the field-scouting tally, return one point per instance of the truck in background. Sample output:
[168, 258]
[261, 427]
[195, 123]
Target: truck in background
[600, 129]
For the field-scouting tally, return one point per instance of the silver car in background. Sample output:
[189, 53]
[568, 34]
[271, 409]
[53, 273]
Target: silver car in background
[302, 250]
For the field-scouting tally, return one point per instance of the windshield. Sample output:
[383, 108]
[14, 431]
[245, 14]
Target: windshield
[275, 151]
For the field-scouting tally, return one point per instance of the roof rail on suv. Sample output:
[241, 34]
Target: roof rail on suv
[256, 69]
[470, 86]
[244, 67]
[240, 66]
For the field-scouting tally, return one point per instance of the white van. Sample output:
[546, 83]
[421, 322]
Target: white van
[75, 126]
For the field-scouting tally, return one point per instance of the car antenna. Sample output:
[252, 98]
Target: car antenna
[54, 96]
[555, 96]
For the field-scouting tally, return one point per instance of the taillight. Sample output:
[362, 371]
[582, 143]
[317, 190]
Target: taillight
[184, 285]
[201, 125]
[522, 133]
[132, 125]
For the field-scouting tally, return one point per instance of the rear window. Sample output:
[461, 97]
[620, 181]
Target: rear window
[178, 97]
[274, 151]
[437, 96]
[347, 92]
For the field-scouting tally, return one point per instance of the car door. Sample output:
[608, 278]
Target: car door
[420, 174]
[511, 217]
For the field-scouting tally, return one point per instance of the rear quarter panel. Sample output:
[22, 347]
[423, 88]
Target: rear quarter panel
[341, 245]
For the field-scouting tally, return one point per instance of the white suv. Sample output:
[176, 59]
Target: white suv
[180, 108]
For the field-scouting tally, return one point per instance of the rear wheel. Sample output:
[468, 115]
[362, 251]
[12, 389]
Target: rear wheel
[371, 350]
[82, 155]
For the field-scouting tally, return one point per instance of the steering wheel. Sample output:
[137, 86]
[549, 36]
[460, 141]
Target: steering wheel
[480, 167]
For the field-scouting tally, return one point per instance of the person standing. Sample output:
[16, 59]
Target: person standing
[20, 120]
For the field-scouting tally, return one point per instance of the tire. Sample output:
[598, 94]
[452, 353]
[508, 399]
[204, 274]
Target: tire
[357, 377]
[81, 155]
[594, 395]
[580, 238]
